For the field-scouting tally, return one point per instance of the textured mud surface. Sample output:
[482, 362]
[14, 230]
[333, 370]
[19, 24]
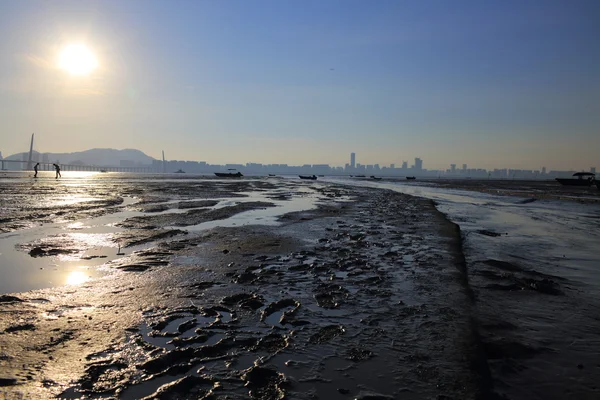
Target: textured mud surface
[353, 299]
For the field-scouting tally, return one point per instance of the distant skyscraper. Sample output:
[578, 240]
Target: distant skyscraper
[592, 169]
[464, 167]
[543, 170]
[392, 166]
[453, 168]
[418, 164]
[352, 160]
[404, 164]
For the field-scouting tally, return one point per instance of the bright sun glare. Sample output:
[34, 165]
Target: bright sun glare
[77, 59]
[76, 278]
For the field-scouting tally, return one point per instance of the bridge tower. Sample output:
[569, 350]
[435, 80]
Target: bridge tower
[30, 160]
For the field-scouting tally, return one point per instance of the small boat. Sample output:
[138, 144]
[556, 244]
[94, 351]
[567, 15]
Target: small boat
[103, 170]
[411, 178]
[311, 177]
[583, 179]
[229, 174]
[359, 176]
[376, 178]
[180, 171]
[272, 175]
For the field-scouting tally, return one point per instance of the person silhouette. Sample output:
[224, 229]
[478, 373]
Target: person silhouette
[57, 168]
[35, 168]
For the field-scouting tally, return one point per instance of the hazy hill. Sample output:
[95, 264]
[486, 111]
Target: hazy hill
[108, 157]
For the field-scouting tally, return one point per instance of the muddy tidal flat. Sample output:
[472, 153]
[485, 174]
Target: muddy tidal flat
[152, 288]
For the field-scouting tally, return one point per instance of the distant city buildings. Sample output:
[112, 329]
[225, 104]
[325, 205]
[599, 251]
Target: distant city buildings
[19, 162]
[418, 164]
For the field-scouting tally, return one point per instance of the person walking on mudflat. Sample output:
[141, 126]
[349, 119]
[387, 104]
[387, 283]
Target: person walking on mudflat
[35, 168]
[57, 168]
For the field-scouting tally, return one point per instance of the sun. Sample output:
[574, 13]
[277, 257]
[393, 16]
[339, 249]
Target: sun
[77, 59]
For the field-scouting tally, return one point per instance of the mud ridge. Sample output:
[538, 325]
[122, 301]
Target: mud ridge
[479, 360]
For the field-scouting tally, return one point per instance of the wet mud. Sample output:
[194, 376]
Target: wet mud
[361, 297]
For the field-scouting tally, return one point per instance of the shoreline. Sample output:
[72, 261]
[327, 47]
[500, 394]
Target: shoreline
[338, 291]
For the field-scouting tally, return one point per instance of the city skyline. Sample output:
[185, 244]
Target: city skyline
[352, 167]
[492, 84]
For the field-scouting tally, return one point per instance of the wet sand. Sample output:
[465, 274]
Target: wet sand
[360, 293]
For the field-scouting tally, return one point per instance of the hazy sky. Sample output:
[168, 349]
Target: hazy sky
[488, 83]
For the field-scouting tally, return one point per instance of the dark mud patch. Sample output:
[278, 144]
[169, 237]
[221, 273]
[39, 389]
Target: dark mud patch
[5, 298]
[486, 232]
[20, 327]
[153, 208]
[142, 261]
[48, 251]
[8, 381]
[197, 204]
[138, 237]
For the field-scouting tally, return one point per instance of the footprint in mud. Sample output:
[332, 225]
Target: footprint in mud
[272, 343]
[290, 304]
[264, 383]
[331, 296]
[249, 301]
[327, 333]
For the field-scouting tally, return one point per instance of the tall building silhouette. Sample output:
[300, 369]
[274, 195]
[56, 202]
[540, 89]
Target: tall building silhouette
[418, 164]
[352, 160]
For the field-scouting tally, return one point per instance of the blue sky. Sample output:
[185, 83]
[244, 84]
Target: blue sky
[488, 83]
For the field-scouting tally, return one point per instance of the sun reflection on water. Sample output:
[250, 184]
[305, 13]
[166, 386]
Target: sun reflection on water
[76, 278]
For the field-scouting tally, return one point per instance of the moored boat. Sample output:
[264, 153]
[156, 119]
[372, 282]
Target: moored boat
[411, 178]
[376, 178]
[311, 177]
[582, 179]
[229, 174]
[180, 171]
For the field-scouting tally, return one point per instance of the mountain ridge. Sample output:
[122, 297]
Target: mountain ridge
[95, 156]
